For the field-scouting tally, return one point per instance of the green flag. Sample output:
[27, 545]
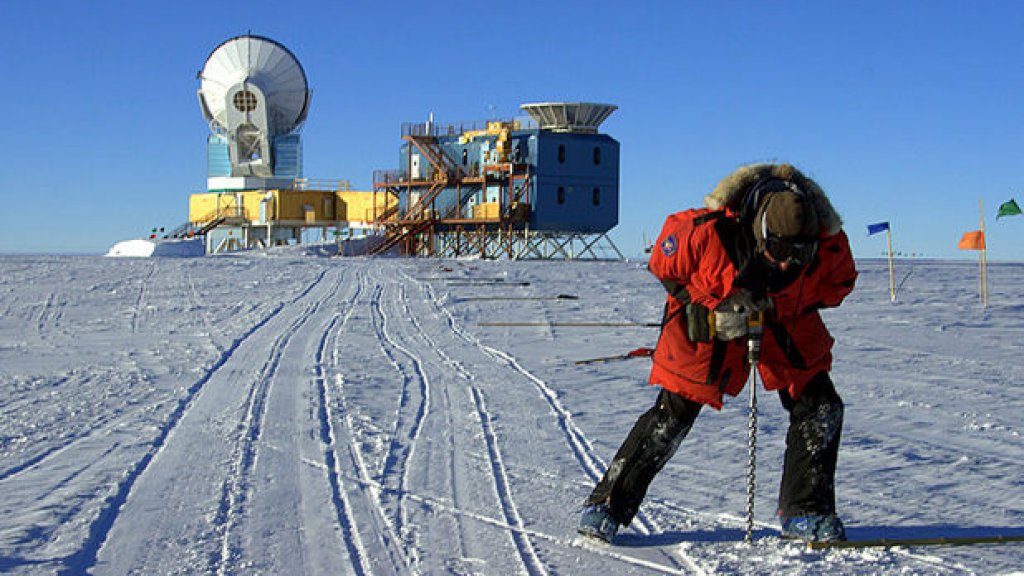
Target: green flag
[1008, 208]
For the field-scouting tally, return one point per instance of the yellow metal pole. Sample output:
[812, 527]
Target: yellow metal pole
[892, 279]
[984, 256]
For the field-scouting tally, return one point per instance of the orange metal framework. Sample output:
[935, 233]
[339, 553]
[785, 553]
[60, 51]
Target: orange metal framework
[415, 229]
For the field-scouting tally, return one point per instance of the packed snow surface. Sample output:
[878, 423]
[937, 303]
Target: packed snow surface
[283, 413]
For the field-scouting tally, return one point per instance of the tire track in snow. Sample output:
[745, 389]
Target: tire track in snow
[605, 551]
[196, 302]
[527, 553]
[397, 459]
[140, 300]
[385, 530]
[57, 316]
[379, 321]
[99, 529]
[71, 445]
[235, 489]
[50, 314]
[43, 313]
[529, 560]
[13, 406]
[45, 316]
[450, 427]
[101, 423]
[580, 446]
[58, 497]
[344, 510]
[583, 450]
[528, 557]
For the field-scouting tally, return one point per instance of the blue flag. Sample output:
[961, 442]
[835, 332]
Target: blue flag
[876, 228]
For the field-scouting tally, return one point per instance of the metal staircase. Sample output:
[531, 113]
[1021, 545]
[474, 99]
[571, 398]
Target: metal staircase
[397, 234]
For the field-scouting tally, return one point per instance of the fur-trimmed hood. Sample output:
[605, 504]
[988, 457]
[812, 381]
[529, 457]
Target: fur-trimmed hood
[730, 192]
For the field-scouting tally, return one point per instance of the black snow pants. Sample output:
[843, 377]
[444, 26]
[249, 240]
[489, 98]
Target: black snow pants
[812, 449]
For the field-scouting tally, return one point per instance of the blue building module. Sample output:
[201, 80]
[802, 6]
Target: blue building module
[287, 156]
[572, 182]
[575, 184]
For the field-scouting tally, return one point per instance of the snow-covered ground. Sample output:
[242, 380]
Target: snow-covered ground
[279, 413]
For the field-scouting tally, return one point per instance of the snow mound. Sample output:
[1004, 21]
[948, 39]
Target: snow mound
[144, 248]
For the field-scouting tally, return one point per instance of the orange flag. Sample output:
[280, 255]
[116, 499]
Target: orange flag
[972, 241]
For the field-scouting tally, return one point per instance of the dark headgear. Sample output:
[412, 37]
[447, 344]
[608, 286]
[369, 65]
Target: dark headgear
[785, 214]
[786, 227]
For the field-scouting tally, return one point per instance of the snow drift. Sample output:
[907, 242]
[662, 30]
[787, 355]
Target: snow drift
[145, 248]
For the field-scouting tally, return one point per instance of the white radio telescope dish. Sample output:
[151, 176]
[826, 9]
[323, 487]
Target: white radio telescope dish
[252, 90]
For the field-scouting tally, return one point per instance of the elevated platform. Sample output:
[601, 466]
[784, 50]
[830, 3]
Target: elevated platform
[501, 243]
[244, 219]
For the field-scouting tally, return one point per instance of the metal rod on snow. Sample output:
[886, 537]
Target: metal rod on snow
[754, 327]
[575, 324]
[466, 279]
[481, 284]
[638, 353]
[936, 541]
[482, 298]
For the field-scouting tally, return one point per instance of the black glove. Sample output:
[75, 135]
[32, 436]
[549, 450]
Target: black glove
[698, 329]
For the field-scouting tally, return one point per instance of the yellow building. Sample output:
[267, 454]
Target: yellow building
[235, 220]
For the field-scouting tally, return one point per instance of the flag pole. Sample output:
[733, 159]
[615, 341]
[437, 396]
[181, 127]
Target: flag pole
[892, 279]
[983, 288]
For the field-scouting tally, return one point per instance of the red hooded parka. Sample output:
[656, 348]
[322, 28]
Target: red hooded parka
[692, 252]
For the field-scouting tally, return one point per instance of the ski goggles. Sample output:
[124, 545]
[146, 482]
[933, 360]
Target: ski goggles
[792, 251]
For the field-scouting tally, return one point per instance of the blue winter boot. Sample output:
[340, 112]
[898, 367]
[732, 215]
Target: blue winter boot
[597, 522]
[813, 528]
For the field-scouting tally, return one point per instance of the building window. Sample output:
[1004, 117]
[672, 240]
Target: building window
[465, 156]
[561, 153]
[244, 101]
[597, 155]
[597, 196]
[561, 195]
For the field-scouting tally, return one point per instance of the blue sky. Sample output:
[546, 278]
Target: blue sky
[909, 112]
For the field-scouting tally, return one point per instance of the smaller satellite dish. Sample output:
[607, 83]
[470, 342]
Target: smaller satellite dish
[577, 117]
